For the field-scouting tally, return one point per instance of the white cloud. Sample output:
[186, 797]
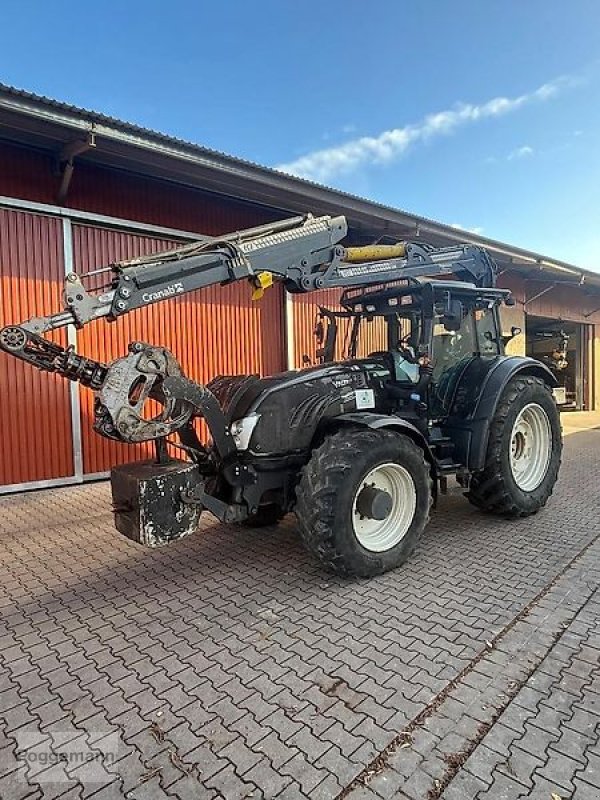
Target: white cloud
[321, 165]
[477, 230]
[521, 152]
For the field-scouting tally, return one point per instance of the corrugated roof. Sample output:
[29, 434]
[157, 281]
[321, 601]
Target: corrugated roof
[173, 147]
[96, 117]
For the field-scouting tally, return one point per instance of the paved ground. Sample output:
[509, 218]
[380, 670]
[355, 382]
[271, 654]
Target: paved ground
[575, 421]
[230, 665]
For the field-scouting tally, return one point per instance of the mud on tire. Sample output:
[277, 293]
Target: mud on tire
[328, 489]
[495, 489]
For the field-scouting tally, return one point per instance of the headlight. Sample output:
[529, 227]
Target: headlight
[242, 429]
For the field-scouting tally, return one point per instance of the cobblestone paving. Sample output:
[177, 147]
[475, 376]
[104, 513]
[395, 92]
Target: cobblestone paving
[454, 747]
[546, 742]
[230, 665]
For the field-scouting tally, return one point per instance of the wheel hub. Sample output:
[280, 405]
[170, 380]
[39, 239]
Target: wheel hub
[384, 507]
[373, 503]
[530, 447]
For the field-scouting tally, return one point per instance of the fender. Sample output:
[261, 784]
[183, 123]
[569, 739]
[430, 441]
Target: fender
[374, 421]
[476, 398]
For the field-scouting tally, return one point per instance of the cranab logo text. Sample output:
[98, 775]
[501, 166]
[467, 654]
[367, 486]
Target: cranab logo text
[169, 291]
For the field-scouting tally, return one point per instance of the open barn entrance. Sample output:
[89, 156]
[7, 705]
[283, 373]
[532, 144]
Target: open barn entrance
[561, 345]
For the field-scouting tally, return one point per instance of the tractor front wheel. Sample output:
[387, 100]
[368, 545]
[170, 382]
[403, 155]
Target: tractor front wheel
[363, 501]
[524, 451]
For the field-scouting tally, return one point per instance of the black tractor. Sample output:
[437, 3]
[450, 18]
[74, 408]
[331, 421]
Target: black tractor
[358, 446]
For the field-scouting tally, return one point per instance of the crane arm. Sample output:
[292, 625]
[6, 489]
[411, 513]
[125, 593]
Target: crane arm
[303, 252]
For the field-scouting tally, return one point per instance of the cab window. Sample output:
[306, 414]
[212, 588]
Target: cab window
[487, 336]
[451, 350]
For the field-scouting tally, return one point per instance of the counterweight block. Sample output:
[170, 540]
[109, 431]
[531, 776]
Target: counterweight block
[147, 501]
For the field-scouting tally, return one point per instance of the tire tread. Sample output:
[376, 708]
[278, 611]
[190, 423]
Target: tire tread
[321, 478]
[490, 490]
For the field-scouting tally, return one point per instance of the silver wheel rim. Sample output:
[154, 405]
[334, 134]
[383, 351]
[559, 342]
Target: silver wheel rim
[530, 447]
[380, 535]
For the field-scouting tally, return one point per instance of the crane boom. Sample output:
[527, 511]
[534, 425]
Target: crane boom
[303, 252]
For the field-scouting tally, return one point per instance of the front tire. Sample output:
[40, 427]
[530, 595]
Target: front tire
[363, 501]
[524, 451]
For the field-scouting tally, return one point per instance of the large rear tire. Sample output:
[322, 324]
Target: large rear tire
[363, 501]
[523, 454]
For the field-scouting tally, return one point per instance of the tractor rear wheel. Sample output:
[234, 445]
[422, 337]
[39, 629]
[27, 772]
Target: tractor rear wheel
[524, 451]
[363, 501]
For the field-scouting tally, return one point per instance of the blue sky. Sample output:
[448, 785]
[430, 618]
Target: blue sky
[479, 113]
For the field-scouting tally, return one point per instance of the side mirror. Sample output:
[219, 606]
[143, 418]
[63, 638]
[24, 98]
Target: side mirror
[451, 323]
[453, 313]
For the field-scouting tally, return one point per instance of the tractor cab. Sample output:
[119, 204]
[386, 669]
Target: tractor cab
[432, 331]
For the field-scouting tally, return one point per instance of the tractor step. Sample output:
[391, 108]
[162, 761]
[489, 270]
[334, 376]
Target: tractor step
[442, 446]
[446, 465]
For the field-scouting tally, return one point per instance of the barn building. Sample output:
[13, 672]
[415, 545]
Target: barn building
[79, 190]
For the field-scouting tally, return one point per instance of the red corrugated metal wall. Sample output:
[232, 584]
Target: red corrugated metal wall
[305, 307]
[31, 174]
[214, 331]
[35, 415]
[562, 302]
